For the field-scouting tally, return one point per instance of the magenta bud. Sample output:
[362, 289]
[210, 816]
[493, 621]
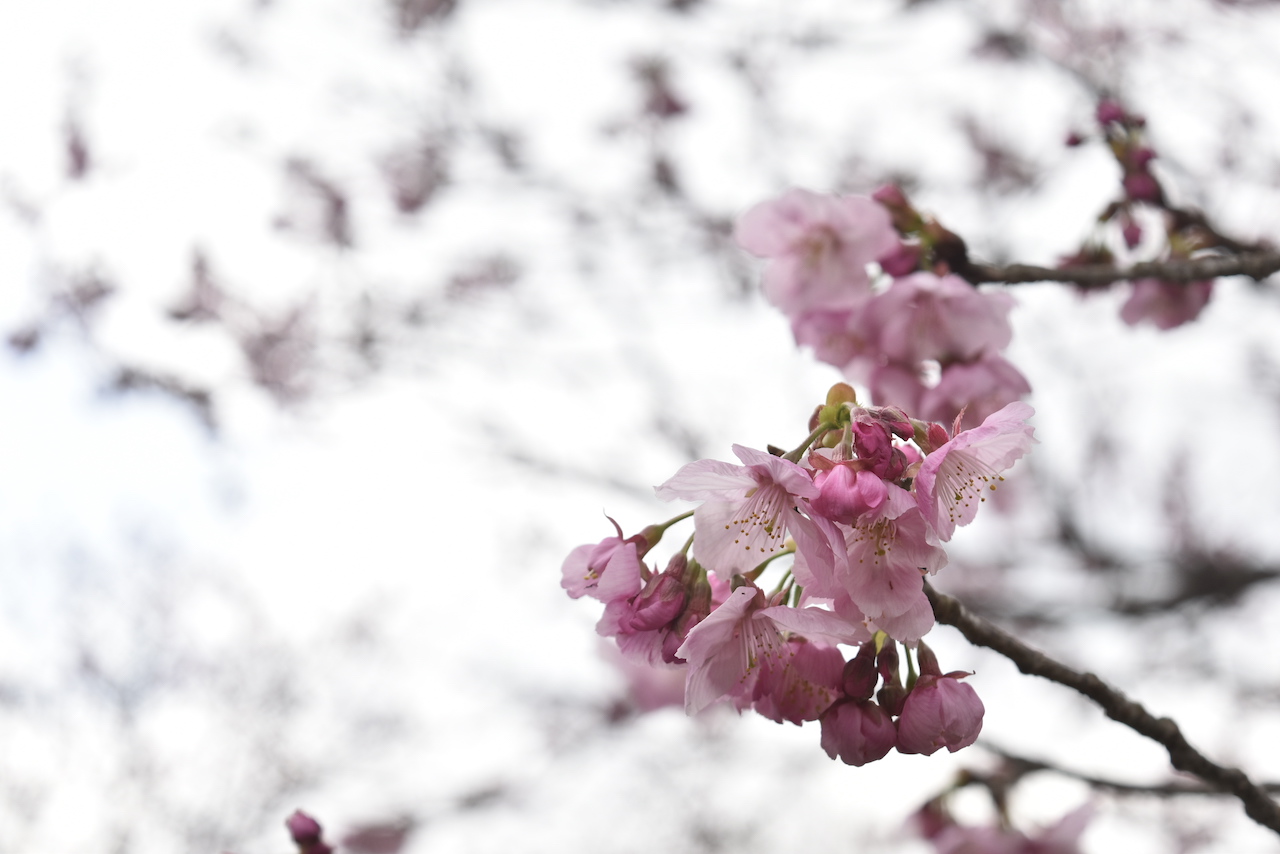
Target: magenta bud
[857, 732]
[940, 711]
[304, 829]
[1074, 140]
[1109, 111]
[1141, 157]
[1142, 187]
[1132, 233]
[859, 677]
[901, 261]
[891, 196]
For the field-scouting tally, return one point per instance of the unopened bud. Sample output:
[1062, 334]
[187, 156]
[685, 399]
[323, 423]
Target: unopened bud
[1109, 111]
[860, 677]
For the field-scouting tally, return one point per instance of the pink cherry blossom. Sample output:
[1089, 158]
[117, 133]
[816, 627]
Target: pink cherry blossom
[857, 732]
[801, 685]
[819, 247]
[944, 318]
[727, 650]
[979, 388]
[746, 509]
[607, 570]
[940, 711]
[953, 480]
[1166, 304]
[836, 337]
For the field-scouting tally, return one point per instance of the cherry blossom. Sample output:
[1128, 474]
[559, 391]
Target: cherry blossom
[819, 247]
[1166, 304]
[953, 480]
[746, 509]
[727, 650]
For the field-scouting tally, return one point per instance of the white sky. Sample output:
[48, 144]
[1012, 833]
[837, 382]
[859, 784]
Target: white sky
[352, 603]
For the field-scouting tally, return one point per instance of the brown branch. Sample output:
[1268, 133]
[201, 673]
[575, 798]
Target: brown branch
[1022, 765]
[1256, 265]
[1257, 804]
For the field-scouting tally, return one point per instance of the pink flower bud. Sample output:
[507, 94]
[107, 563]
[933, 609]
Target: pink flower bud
[1132, 233]
[1074, 140]
[857, 732]
[1109, 111]
[1142, 187]
[845, 495]
[940, 711]
[859, 677]
[902, 261]
[891, 196]
[306, 834]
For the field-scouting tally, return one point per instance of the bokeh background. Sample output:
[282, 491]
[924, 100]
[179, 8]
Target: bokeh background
[331, 326]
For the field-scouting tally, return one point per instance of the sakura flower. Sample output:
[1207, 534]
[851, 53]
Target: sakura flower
[944, 318]
[953, 480]
[607, 570]
[940, 711]
[979, 388]
[819, 248]
[746, 509]
[727, 650]
[1166, 304]
[801, 685]
[857, 732]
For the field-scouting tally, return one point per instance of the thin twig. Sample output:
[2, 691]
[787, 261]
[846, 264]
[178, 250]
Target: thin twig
[1257, 804]
[1024, 765]
[1255, 265]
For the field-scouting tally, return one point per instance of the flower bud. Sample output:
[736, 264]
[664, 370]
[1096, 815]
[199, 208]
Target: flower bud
[306, 834]
[857, 731]
[940, 711]
[1109, 111]
[902, 261]
[1142, 187]
[860, 677]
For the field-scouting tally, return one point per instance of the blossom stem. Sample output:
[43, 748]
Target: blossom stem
[795, 455]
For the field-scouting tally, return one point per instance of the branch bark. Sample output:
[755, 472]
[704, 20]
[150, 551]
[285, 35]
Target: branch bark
[1258, 805]
[1257, 265]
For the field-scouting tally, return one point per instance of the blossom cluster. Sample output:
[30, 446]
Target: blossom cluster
[919, 336]
[1163, 304]
[861, 508]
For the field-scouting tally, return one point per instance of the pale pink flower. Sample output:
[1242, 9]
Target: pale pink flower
[836, 338]
[1166, 304]
[897, 384]
[944, 318]
[800, 685]
[607, 570]
[746, 509]
[979, 839]
[857, 732]
[979, 388]
[727, 650]
[953, 481]
[940, 711]
[819, 247]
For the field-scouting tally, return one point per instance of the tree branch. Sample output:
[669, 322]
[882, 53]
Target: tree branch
[1022, 765]
[1257, 265]
[1257, 804]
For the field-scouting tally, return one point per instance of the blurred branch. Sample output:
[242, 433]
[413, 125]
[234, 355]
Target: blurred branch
[1020, 766]
[1256, 265]
[1257, 804]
